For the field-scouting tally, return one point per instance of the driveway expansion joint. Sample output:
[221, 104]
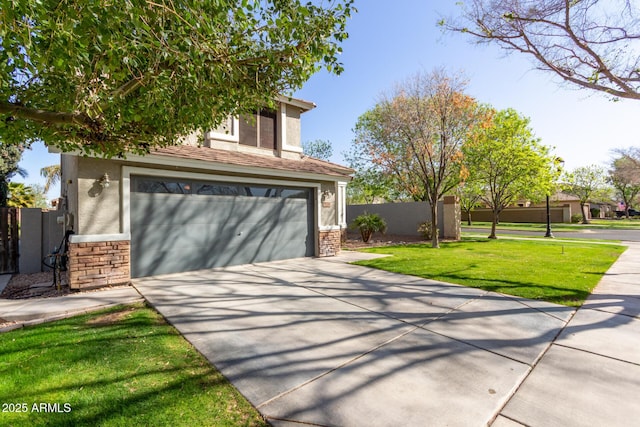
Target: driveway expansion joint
[597, 354]
[342, 365]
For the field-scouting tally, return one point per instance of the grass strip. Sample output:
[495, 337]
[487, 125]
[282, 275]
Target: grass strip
[596, 224]
[558, 272]
[559, 238]
[120, 367]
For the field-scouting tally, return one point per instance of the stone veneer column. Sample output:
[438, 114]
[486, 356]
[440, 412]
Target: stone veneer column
[452, 217]
[98, 263]
[330, 241]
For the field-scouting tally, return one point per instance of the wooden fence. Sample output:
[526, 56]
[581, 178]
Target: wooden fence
[9, 240]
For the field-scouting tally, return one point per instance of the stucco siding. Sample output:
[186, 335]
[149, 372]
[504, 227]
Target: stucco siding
[98, 207]
[293, 128]
[328, 206]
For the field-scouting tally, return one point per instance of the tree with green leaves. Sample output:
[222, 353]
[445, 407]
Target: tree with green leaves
[508, 162]
[470, 195]
[587, 183]
[111, 78]
[10, 156]
[631, 155]
[624, 177]
[416, 135]
[21, 196]
[369, 184]
[318, 149]
[591, 44]
[40, 196]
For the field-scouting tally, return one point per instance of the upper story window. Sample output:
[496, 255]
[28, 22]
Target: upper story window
[259, 130]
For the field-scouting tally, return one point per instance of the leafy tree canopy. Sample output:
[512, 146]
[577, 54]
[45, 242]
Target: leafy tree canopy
[508, 162]
[319, 149]
[52, 175]
[10, 156]
[111, 77]
[21, 196]
[416, 136]
[588, 183]
[594, 44]
[370, 184]
[624, 177]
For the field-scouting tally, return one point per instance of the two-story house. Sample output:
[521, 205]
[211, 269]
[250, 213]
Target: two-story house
[245, 195]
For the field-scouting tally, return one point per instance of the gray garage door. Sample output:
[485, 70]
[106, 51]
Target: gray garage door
[183, 225]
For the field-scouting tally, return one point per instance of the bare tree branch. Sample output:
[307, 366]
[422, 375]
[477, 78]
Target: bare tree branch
[593, 44]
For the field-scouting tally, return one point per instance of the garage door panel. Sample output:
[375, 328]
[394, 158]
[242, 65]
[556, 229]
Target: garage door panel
[166, 236]
[182, 232]
[152, 209]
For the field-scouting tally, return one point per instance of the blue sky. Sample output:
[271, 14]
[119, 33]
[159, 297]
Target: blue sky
[390, 41]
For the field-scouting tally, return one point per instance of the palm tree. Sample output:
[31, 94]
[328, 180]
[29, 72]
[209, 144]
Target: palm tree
[21, 196]
[53, 174]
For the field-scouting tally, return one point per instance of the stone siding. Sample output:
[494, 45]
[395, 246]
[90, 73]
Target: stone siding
[330, 242]
[96, 264]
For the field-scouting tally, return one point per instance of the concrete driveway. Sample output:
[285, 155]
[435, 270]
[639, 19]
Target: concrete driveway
[321, 342]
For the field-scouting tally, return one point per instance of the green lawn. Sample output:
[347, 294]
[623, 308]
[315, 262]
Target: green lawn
[120, 367]
[559, 237]
[596, 224]
[558, 272]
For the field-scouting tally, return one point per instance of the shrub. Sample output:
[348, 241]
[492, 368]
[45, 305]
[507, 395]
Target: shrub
[368, 224]
[576, 218]
[425, 230]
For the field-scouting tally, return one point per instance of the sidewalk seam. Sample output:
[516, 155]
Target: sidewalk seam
[597, 354]
[531, 369]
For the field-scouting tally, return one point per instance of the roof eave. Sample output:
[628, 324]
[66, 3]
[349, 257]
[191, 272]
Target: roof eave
[300, 103]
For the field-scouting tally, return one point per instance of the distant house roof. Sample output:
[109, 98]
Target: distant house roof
[304, 165]
[561, 196]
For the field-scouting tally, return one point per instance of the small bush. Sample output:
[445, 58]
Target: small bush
[576, 218]
[368, 224]
[595, 213]
[425, 229]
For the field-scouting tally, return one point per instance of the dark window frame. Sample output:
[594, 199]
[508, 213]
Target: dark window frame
[260, 130]
[196, 187]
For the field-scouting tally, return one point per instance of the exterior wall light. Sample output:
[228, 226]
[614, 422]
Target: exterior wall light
[104, 181]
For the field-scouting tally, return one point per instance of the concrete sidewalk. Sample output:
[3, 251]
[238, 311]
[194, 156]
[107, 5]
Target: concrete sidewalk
[329, 344]
[590, 376]
[16, 313]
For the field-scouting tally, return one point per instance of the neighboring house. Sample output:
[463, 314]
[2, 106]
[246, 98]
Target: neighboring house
[248, 194]
[564, 199]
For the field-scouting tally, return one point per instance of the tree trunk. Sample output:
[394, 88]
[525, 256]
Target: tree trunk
[4, 192]
[493, 226]
[434, 225]
[469, 217]
[585, 220]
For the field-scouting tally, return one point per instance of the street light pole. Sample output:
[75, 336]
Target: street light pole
[549, 233]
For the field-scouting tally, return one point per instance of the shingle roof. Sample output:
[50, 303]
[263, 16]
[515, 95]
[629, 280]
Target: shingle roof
[304, 164]
[561, 196]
